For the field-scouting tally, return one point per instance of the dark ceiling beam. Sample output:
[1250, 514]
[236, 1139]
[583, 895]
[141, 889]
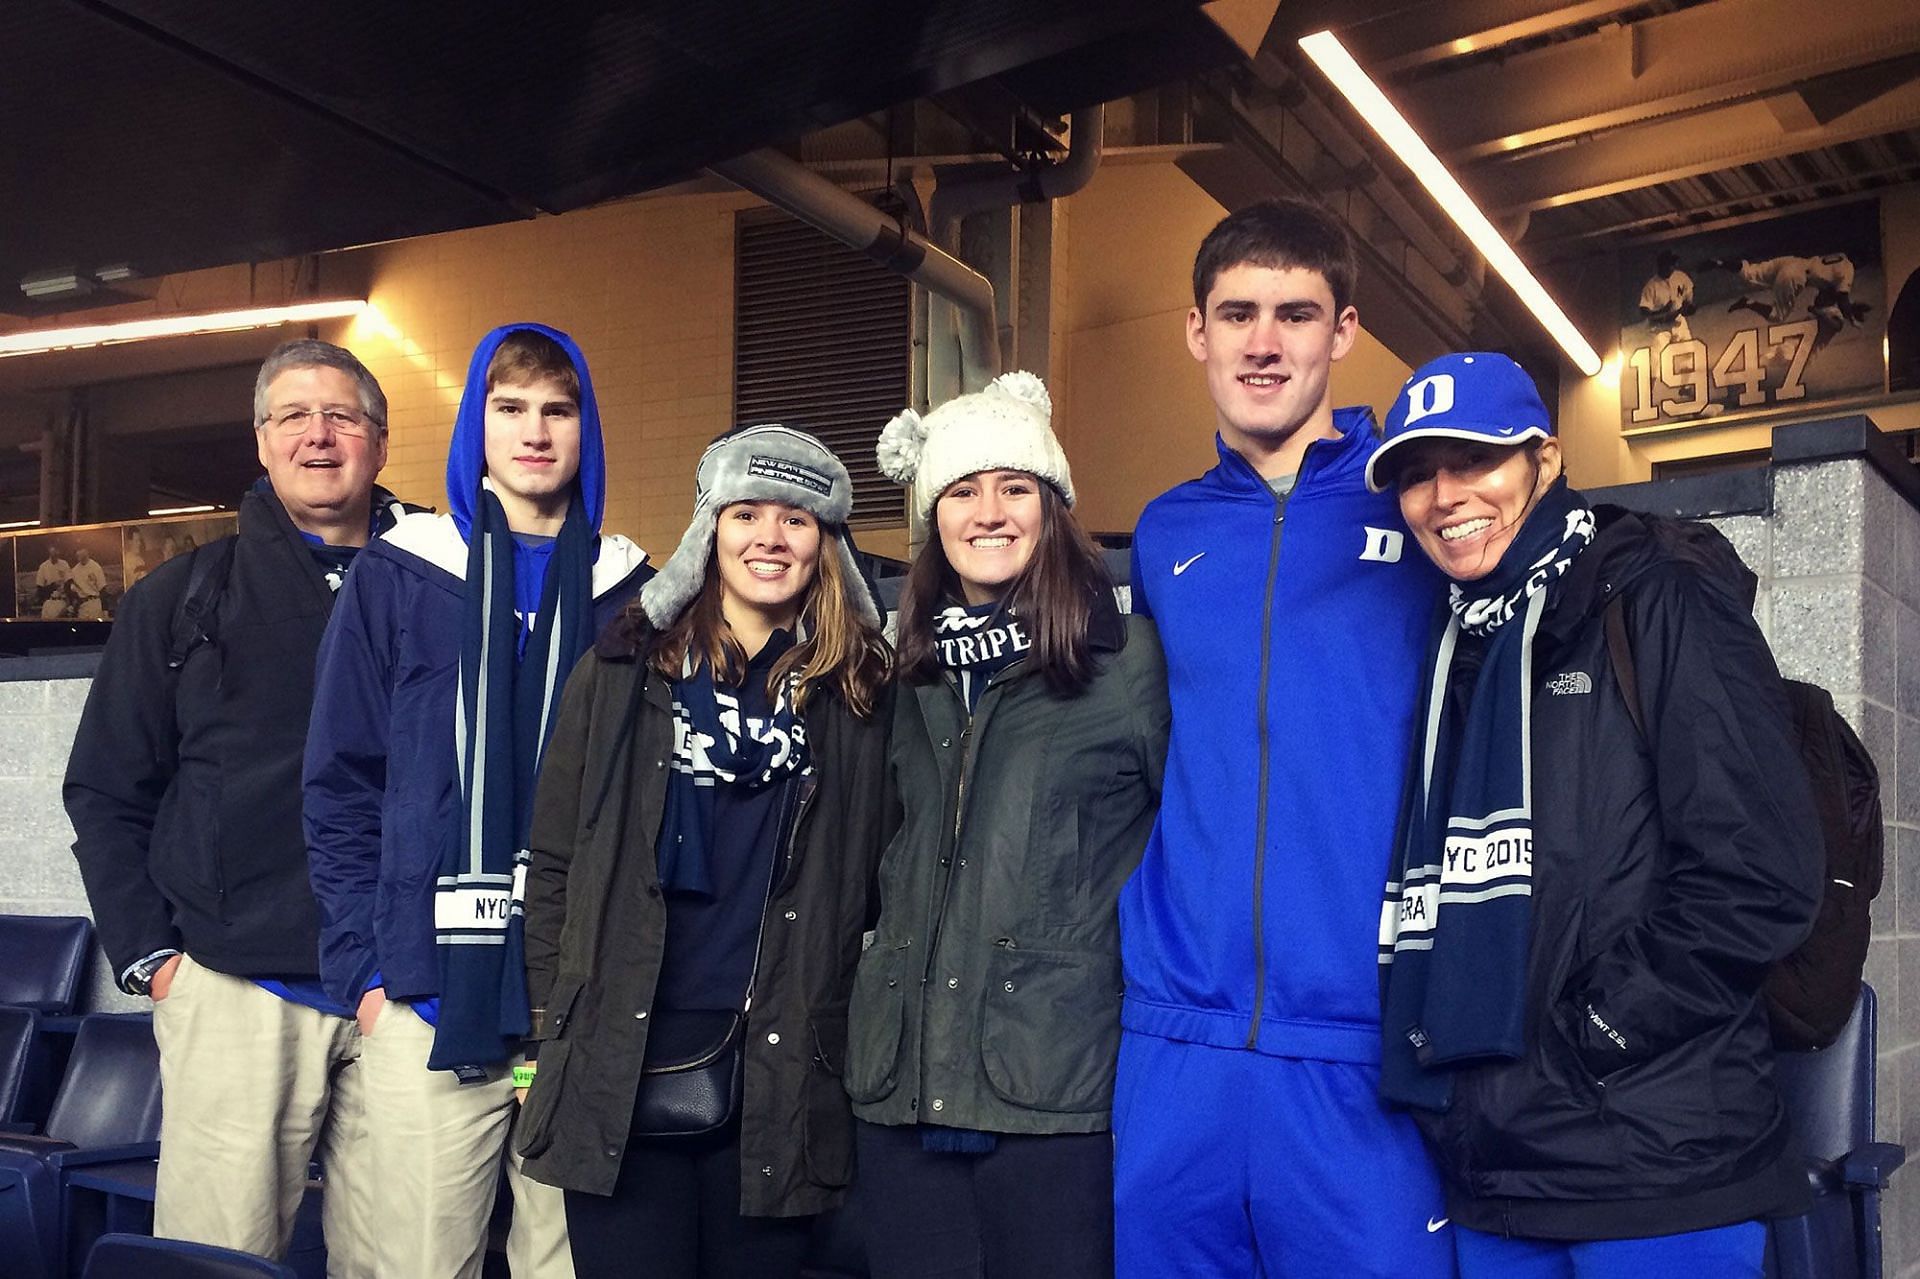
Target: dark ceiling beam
[1731, 50]
[511, 204]
[1389, 36]
[1663, 150]
[1461, 29]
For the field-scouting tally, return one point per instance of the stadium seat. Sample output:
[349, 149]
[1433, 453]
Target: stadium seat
[1830, 1097]
[42, 959]
[108, 1109]
[19, 1028]
[138, 1257]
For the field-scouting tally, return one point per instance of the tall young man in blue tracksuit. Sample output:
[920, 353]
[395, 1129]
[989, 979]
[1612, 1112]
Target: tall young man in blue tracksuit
[1293, 610]
[439, 679]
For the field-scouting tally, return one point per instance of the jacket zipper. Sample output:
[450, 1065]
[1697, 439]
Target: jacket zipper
[773, 879]
[1260, 819]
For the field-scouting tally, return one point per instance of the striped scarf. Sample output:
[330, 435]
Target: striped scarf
[1457, 921]
[502, 718]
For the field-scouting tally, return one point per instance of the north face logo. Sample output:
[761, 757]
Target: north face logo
[1569, 683]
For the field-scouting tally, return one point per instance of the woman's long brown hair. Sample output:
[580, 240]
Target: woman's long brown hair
[1054, 597]
[841, 649]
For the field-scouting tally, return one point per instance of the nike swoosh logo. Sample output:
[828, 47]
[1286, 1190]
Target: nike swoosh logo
[1434, 1224]
[1184, 565]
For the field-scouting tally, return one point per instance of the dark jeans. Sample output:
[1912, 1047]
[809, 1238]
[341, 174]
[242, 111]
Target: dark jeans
[1035, 1207]
[675, 1214]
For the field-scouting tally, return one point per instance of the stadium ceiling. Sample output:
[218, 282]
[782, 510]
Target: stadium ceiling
[1577, 125]
[154, 136]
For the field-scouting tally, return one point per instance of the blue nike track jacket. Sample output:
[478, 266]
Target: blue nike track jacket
[1293, 658]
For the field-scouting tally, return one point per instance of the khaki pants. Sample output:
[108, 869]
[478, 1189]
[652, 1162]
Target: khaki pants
[435, 1146]
[251, 1086]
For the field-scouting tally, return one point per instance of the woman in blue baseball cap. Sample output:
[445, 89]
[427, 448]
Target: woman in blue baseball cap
[1582, 910]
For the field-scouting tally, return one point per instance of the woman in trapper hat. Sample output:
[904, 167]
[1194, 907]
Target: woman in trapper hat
[706, 827]
[1594, 878]
[1029, 731]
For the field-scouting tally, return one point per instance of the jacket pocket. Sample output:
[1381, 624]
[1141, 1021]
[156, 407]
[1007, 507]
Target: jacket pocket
[876, 1023]
[829, 1135]
[559, 1006]
[535, 1136]
[1050, 1031]
[186, 844]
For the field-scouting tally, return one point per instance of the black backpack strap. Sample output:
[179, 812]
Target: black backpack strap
[1620, 654]
[207, 571]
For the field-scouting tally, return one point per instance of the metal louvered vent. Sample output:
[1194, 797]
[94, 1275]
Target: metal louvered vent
[822, 343]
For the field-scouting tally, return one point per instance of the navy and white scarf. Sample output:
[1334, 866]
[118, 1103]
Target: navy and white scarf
[715, 745]
[1457, 921]
[502, 718]
[977, 642]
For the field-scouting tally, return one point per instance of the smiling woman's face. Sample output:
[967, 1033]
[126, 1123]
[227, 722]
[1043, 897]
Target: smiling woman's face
[988, 524]
[1464, 501]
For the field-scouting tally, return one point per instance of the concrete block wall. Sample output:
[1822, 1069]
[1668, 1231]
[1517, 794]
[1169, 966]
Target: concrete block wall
[1839, 566]
[37, 722]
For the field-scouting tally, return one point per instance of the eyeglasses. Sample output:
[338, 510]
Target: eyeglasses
[293, 421]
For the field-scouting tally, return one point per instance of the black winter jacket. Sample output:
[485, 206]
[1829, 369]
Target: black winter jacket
[990, 998]
[596, 935]
[184, 786]
[1668, 878]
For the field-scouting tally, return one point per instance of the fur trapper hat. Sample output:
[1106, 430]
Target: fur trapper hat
[1007, 427]
[757, 464]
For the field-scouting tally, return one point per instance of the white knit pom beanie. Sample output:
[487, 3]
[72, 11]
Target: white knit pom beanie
[1007, 427]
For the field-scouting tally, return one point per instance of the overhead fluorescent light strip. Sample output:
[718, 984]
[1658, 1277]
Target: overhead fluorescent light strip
[1332, 58]
[39, 341]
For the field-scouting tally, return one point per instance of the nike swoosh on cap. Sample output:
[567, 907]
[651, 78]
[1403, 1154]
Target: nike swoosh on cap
[1186, 564]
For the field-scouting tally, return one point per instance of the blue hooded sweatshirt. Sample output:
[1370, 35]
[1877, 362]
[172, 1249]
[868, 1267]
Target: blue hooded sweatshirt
[1293, 661]
[382, 779]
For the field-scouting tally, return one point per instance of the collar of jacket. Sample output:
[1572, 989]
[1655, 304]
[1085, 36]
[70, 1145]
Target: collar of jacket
[264, 517]
[264, 502]
[1344, 454]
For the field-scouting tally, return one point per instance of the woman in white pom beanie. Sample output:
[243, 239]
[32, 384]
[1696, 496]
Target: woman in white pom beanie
[1029, 731]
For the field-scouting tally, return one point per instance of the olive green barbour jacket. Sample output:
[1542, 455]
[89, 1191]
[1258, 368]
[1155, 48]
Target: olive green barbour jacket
[595, 939]
[990, 995]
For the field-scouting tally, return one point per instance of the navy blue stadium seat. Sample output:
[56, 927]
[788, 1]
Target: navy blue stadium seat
[42, 960]
[1830, 1097]
[108, 1109]
[138, 1257]
[19, 1030]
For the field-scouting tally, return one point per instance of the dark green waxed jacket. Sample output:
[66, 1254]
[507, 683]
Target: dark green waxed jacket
[990, 995]
[596, 936]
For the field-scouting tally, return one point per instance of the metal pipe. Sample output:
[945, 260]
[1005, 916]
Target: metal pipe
[787, 184]
[953, 201]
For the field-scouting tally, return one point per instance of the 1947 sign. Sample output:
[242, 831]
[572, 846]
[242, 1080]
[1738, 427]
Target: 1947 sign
[1776, 314]
[1686, 379]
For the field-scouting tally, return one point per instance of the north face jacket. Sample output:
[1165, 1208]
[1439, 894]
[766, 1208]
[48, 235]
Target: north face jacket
[1293, 651]
[1669, 874]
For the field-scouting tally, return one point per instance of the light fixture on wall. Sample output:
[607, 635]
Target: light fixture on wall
[39, 341]
[1333, 59]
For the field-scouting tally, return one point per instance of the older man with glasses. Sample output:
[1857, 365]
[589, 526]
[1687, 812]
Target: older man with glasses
[184, 791]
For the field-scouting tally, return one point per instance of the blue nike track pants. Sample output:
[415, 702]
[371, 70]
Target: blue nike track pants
[1729, 1252]
[1234, 1164]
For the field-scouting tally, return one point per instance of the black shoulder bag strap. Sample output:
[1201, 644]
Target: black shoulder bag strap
[207, 573]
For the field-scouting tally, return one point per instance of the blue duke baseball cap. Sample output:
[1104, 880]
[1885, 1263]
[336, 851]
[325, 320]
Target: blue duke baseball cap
[1473, 395]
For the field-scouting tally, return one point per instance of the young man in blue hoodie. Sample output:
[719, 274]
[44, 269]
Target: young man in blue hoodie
[439, 677]
[1293, 611]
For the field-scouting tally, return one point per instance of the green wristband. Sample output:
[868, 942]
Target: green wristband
[523, 1076]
